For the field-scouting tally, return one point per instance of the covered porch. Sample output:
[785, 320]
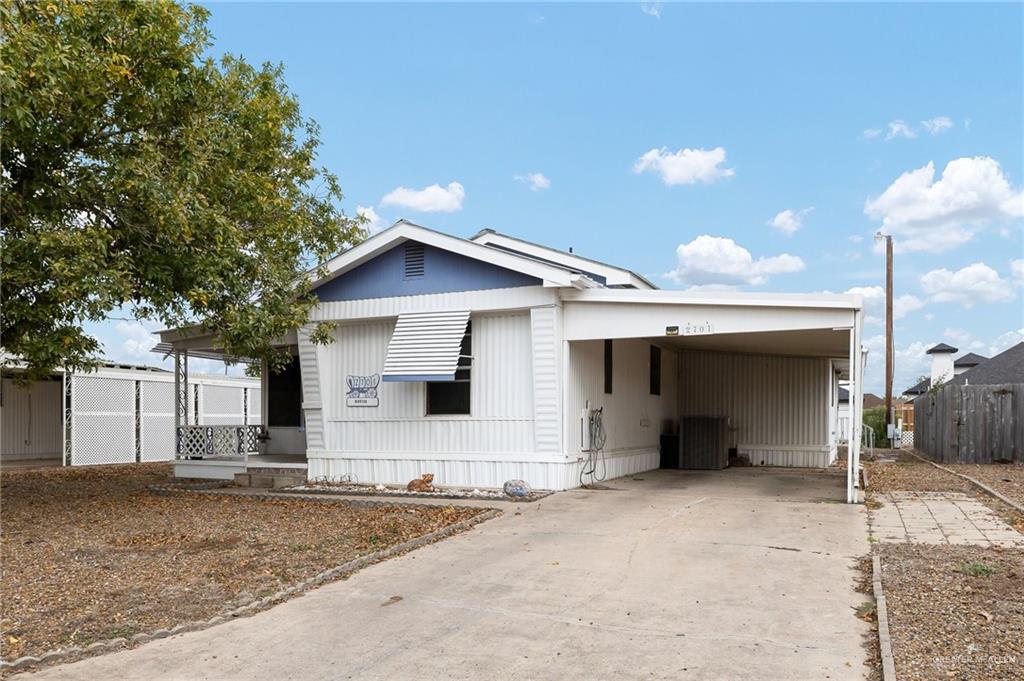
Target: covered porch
[222, 448]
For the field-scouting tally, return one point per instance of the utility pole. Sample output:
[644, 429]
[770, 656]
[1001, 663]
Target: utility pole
[888, 330]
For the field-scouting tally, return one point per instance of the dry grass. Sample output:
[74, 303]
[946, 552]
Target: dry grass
[90, 554]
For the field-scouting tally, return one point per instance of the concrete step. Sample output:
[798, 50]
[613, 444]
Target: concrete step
[270, 479]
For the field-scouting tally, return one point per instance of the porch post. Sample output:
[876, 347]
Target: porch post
[264, 402]
[180, 397]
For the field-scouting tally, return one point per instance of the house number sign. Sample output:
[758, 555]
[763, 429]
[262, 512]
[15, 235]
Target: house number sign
[362, 391]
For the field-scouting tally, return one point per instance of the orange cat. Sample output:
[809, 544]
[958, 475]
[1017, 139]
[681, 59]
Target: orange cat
[422, 484]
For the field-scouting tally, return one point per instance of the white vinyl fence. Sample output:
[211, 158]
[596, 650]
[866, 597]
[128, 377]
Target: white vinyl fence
[123, 417]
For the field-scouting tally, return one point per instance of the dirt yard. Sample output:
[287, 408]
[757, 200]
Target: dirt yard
[90, 553]
[955, 612]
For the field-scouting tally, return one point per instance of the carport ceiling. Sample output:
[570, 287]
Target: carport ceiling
[809, 343]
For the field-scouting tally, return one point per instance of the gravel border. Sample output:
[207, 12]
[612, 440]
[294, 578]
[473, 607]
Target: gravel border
[980, 485]
[260, 603]
[884, 641]
[536, 495]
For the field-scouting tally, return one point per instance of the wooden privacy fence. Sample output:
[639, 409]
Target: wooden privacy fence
[971, 423]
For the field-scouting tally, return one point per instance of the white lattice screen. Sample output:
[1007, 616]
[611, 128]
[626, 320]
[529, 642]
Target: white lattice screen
[103, 420]
[156, 420]
[221, 405]
[255, 402]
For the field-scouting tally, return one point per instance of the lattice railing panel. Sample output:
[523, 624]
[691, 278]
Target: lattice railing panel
[197, 442]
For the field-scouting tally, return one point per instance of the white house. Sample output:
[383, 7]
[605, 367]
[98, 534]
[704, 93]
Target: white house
[491, 358]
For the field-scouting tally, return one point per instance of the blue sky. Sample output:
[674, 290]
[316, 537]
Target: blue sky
[650, 135]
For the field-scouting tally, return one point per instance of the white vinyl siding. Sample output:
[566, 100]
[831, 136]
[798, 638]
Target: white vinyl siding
[501, 421]
[777, 405]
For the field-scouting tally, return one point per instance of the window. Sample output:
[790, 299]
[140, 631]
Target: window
[452, 397]
[608, 367]
[655, 370]
[415, 261]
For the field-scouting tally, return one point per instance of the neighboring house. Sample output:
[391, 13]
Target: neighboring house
[491, 358]
[120, 413]
[1006, 367]
[944, 368]
[977, 415]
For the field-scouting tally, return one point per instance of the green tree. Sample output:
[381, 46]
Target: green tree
[139, 172]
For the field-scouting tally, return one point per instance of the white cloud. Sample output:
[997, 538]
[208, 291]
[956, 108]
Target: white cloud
[789, 221]
[962, 339]
[1006, 341]
[138, 341]
[874, 303]
[1017, 272]
[937, 125]
[925, 214]
[374, 223]
[898, 128]
[712, 260]
[856, 238]
[432, 199]
[686, 166]
[536, 181]
[871, 133]
[976, 283]
[651, 8]
[909, 362]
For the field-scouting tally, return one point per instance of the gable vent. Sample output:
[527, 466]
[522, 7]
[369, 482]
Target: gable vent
[414, 261]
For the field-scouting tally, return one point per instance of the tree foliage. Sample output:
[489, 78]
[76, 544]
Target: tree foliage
[139, 172]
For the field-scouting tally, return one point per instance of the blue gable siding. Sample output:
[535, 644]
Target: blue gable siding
[443, 272]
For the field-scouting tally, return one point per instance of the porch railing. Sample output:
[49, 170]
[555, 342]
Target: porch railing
[201, 442]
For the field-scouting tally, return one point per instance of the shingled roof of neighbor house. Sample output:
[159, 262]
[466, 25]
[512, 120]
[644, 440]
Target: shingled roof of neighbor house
[1006, 367]
[969, 360]
[870, 399]
[941, 347]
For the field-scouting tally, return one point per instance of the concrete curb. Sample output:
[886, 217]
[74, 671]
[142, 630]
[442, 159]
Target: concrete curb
[260, 603]
[977, 483]
[277, 494]
[884, 641]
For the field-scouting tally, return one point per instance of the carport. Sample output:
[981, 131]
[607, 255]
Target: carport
[767, 366]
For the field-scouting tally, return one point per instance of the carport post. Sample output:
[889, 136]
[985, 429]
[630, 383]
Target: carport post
[856, 393]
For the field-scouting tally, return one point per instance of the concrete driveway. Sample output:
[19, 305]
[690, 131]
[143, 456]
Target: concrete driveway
[738, 574]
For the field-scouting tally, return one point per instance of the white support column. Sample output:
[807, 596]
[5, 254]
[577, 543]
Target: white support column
[856, 391]
[850, 492]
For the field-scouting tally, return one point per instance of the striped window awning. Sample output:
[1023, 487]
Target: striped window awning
[426, 346]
